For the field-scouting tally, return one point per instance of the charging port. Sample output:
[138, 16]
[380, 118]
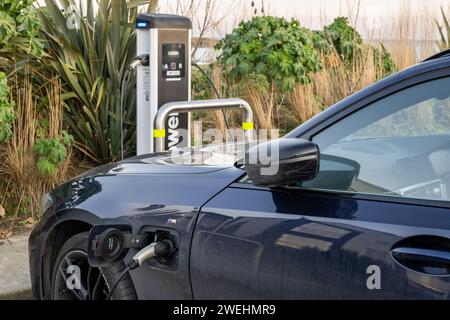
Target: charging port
[110, 243]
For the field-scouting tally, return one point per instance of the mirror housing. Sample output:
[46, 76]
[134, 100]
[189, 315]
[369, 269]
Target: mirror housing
[282, 162]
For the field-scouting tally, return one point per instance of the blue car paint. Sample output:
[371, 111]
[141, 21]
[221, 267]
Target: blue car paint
[244, 243]
[152, 200]
[256, 243]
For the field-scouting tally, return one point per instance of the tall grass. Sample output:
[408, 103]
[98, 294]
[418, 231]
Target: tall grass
[264, 106]
[19, 174]
[336, 81]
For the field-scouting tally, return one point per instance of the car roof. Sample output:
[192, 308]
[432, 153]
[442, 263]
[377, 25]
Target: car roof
[435, 62]
[442, 54]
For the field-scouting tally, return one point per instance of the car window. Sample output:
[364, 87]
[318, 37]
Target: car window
[399, 146]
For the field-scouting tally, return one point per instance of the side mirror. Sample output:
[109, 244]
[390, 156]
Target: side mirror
[282, 162]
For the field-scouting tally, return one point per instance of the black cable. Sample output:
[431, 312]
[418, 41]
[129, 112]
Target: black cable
[215, 90]
[97, 282]
[122, 94]
[88, 283]
[162, 249]
[209, 79]
[113, 288]
[143, 59]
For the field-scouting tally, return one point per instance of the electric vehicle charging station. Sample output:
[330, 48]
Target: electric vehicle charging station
[167, 78]
[165, 83]
[163, 65]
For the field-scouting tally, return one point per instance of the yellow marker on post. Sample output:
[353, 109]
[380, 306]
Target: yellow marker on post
[247, 125]
[159, 133]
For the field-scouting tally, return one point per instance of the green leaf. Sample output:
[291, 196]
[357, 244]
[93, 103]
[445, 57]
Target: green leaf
[45, 167]
[7, 116]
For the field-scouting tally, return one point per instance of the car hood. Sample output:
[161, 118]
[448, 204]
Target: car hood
[184, 161]
[186, 179]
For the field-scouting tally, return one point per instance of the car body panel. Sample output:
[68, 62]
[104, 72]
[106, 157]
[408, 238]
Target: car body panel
[144, 194]
[245, 234]
[257, 243]
[168, 201]
[249, 237]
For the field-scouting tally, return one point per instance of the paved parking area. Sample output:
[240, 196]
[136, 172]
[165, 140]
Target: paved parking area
[14, 268]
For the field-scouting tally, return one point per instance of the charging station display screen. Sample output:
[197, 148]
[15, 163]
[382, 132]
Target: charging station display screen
[173, 61]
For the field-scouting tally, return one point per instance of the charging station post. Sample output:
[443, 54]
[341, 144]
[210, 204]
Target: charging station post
[167, 40]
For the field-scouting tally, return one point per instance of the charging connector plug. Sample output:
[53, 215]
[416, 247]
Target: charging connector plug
[162, 249]
[143, 59]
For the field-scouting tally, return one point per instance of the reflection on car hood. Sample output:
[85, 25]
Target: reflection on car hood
[185, 161]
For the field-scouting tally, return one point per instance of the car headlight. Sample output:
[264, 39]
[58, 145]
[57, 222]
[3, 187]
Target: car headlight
[46, 203]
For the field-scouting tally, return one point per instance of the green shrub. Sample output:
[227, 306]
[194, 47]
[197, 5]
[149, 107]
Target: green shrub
[383, 61]
[51, 152]
[6, 110]
[19, 27]
[268, 50]
[341, 38]
[201, 88]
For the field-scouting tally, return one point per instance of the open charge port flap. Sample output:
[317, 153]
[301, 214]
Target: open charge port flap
[108, 244]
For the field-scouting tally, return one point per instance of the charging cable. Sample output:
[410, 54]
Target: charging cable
[161, 249]
[144, 60]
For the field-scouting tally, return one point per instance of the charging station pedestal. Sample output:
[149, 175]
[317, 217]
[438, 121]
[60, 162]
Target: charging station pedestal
[167, 40]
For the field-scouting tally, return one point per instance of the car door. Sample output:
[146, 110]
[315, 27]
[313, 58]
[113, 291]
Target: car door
[374, 223]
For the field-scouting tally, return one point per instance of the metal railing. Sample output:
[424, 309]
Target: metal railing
[159, 131]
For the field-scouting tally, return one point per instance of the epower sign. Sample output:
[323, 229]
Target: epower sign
[167, 78]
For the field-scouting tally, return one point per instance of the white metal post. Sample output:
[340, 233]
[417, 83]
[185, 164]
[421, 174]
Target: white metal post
[143, 104]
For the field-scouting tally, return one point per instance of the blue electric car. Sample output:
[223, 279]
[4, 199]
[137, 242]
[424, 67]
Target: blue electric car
[359, 209]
